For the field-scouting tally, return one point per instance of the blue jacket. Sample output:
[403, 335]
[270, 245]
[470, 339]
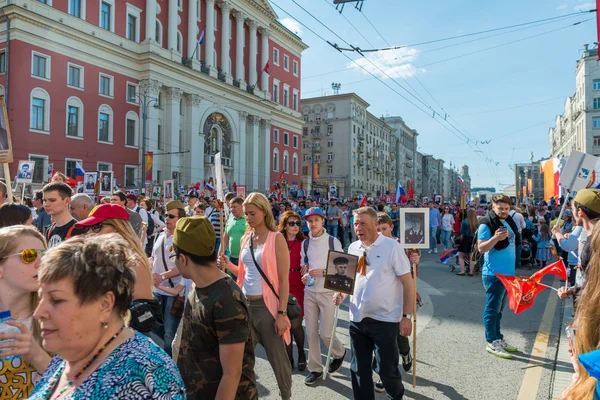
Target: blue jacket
[42, 221]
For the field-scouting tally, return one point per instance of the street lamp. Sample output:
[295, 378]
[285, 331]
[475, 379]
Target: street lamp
[145, 101]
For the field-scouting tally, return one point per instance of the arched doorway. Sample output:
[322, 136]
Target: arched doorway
[218, 138]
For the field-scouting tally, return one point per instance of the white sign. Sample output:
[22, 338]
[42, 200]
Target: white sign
[579, 173]
[219, 176]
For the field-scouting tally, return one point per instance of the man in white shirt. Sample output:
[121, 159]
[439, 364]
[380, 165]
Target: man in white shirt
[383, 295]
[516, 215]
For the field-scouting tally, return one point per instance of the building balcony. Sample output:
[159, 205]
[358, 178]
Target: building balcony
[360, 162]
[360, 149]
[361, 136]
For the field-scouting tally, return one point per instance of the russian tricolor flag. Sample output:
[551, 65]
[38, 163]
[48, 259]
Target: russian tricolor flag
[201, 40]
[400, 194]
[460, 180]
[79, 172]
[209, 187]
[447, 255]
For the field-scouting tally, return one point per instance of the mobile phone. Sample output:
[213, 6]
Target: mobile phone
[502, 228]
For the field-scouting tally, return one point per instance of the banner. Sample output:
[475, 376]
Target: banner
[580, 172]
[149, 161]
[551, 170]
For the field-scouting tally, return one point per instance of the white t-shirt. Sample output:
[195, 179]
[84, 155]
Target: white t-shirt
[519, 219]
[379, 294]
[318, 250]
[447, 222]
[253, 280]
[16, 377]
[158, 264]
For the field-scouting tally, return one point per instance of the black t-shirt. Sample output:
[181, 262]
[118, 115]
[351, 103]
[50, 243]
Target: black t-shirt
[57, 234]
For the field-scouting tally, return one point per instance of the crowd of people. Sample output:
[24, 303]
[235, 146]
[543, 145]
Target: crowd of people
[127, 298]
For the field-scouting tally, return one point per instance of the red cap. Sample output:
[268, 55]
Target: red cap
[103, 212]
[131, 196]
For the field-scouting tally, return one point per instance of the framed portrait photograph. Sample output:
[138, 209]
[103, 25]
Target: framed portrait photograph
[340, 272]
[106, 183]
[6, 154]
[414, 228]
[90, 179]
[168, 191]
[155, 192]
[25, 172]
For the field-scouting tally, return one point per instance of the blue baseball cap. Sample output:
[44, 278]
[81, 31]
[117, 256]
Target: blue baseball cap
[314, 211]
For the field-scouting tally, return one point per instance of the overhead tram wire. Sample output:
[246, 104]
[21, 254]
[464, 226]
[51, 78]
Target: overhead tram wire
[375, 77]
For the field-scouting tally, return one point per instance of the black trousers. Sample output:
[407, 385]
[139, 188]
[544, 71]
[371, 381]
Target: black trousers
[370, 336]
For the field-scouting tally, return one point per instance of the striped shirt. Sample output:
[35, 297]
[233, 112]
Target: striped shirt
[214, 220]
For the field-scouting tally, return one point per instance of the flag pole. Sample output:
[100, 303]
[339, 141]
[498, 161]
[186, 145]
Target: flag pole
[550, 287]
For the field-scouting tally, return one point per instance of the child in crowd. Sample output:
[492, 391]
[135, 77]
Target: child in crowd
[544, 245]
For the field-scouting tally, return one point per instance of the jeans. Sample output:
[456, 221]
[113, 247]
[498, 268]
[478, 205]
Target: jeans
[365, 337]
[518, 256]
[496, 298]
[333, 230]
[446, 242]
[432, 239]
[396, 230]
[171, 323]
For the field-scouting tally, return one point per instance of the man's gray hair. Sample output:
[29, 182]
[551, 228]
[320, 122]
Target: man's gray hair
[83, 199]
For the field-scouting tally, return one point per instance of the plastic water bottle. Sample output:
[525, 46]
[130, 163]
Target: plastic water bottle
[5, 328]
[310, 280]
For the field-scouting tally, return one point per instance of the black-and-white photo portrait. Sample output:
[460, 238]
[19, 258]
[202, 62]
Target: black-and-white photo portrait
[415, 227]
[106, 183]
[25, 173]
[341, 271]
[168, 191]
[90, 180]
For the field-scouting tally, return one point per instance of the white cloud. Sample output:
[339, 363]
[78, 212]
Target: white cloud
[561, 7]
[292, 25]
[395, 64]
[584, 7]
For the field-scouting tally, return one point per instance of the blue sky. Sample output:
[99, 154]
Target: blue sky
[510, 94]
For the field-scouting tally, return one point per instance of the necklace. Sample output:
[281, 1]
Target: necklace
[69, 384]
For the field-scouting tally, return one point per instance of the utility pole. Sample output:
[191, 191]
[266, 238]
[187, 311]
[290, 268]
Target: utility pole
[145, 102]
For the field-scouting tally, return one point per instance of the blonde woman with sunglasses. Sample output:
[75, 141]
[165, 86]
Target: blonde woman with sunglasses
[21, 250]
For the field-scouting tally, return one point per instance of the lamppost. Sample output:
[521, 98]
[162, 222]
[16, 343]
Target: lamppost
[145, 102]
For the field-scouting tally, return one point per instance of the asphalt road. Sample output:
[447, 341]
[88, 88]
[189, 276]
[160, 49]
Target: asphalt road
[451, 359]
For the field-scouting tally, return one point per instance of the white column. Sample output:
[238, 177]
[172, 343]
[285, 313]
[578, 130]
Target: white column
[252, 80]
[151, 88]
[225, 22]
[266, 133]
[240, 165]
[192, 35]
[240, 74]
[150, 19]
[210, 37]
[172, 25]
[171, 130]
[196, 148]
[264, 77]
[254, 171]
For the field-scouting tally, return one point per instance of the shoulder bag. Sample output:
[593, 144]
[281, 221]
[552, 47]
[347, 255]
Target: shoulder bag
[293, 308]
[179, 302]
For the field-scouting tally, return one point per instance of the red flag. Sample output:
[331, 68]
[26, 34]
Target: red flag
[71, 182]
[364, 201]
[558, 268]
[411, 188]
[234, 186]
[521, 291]
[197, 186]
[266, 68]
[280, 177]
[279, 196]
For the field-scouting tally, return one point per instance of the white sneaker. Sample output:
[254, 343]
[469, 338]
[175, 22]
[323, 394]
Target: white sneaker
[435, 251]
[508, 347]
[430, 252]
[497, 349]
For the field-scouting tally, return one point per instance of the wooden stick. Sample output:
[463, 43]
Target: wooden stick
[335, 320]
[414, 360]
[9, 191]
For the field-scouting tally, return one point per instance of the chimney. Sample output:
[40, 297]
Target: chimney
[585, 47]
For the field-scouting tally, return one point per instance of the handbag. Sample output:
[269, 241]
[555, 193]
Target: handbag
[293, 308]
[179, 302]
[146, 315]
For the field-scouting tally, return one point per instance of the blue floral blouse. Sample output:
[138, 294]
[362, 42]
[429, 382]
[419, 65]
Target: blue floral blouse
[136, 370]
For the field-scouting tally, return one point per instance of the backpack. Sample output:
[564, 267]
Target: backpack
[307, 242]
[475, 257]
[150, 229]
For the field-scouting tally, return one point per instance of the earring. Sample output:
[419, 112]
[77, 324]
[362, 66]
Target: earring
[105, 325]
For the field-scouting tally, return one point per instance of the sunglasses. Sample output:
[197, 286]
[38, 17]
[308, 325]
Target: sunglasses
[94, 228]
[292, 223]
[28, 255]
[171, 216]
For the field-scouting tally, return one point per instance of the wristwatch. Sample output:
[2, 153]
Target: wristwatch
[284, 312]
[407, 316]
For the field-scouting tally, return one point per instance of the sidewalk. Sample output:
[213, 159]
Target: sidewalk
[562, 376]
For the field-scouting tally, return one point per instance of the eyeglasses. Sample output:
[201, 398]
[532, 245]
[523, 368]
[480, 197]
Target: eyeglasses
[292, 223]
[94, 228]
[171, 216]
[28, 255]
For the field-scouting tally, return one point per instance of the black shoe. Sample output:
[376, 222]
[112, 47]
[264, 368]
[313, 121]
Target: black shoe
[336, 363]
[301, 365]
[406, 362]
[312, 378]
[379, 387]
